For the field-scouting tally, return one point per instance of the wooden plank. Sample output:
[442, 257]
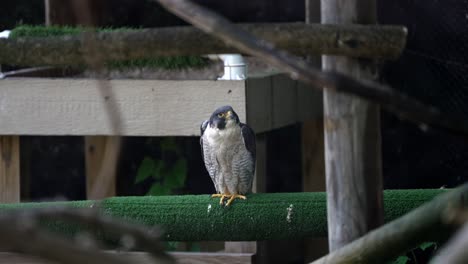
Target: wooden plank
[352, 139]
[9, 169]
[144, 258]
[148, 107]
[95, 151]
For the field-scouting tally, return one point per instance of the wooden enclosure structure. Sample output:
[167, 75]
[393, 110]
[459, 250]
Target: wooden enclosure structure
[66, 106]
[69, 106]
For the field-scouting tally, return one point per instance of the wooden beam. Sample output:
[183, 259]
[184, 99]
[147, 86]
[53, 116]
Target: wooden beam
[148, 107]
[9, 169]
[352, 138]
[60, 106]
[95, 152]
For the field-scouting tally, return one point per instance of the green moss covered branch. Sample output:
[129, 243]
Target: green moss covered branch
[48, 46]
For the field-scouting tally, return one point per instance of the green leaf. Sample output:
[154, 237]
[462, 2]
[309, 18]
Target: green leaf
[178, 174]
[194, 247]
[145, 170]
[158, 168]
[169, 144]
[158, 189]
[401, 260]
[426, 245]
[171, 245]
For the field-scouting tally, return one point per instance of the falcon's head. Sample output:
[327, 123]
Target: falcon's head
[224, 117]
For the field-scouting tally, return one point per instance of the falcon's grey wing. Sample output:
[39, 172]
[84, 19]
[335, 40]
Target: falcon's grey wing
[202, 130]
[248, 136]
[208, 155]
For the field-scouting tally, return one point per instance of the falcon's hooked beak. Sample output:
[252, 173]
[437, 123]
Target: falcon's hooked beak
[229, 115]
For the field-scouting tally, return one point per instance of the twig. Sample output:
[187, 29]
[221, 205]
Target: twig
[388, 98]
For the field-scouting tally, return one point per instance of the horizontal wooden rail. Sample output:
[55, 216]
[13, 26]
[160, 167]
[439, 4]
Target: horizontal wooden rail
[298, 38]
[260, 217]
[70, 106]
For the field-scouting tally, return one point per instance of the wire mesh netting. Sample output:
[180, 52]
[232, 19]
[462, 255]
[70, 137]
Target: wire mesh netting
[434, 69]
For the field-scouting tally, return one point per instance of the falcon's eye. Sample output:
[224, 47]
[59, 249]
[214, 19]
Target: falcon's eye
[221, 115]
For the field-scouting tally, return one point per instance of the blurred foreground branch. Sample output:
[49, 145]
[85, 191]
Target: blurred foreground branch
[387, 97]
[425, 223]
[21, 231]
[454, 252]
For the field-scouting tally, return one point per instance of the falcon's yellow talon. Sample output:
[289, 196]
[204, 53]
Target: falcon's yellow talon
[219, 195]
[233, 197]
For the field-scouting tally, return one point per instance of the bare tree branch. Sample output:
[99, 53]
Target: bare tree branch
[425, 223]
[388, 98]
[23, 235]
[135, 235]
[24, 226]
[454, 252]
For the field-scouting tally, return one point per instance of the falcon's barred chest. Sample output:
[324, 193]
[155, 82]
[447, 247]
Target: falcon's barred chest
[228, 149]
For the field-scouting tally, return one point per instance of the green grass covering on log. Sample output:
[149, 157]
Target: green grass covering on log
[260, 217]
[168, 63]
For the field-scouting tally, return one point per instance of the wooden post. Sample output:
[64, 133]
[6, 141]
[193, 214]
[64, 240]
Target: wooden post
[62, 12]
[95, 154]
[352, 138]
[9, 169]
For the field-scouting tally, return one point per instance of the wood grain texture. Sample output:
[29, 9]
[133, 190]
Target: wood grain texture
[95, 147]
[46, 106]
[312, 138]
[9, 169]
[38, 106]
[144, 258]
[352, 139]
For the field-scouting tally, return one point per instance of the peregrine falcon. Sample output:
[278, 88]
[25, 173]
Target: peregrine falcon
[228, 149]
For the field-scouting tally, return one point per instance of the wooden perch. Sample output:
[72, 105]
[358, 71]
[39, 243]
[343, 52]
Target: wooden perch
[201, 218]
[300, 39]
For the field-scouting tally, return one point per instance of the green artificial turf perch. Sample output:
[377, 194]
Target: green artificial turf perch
[168, 63]
[260, 217]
